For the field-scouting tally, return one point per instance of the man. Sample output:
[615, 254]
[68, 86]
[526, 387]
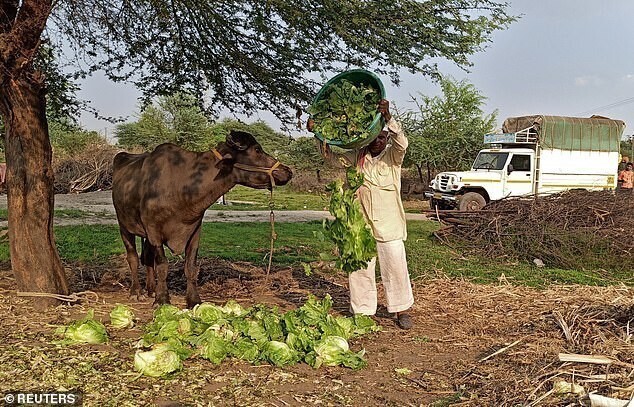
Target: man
[626, 178]
[380, 199]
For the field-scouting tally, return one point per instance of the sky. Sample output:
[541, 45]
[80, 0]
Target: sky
[562, 57]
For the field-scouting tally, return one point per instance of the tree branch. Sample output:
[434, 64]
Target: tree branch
[24, 37]
[7, 14]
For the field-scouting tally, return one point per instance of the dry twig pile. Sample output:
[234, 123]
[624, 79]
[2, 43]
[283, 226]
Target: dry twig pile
[575, 230]
[88, 171]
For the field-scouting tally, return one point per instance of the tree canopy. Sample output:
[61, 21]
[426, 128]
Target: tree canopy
[447, 131]
[252, 54]
[243, 55]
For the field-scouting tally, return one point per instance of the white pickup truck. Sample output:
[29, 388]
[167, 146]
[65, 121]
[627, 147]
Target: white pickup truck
[534, 155]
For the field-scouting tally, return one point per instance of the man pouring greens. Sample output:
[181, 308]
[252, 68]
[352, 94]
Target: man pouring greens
[380, 198]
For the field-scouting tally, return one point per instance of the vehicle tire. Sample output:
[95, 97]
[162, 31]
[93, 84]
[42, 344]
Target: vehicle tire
[471, 201]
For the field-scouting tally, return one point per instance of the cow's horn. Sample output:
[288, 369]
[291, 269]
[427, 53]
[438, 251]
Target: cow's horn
[236, 140]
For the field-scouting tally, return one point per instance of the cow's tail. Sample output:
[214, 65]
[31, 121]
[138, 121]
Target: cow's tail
[147, 253]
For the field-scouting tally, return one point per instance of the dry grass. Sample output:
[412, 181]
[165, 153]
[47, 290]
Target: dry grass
[448, 358]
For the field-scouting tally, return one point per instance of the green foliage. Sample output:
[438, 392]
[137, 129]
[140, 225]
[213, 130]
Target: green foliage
[345, 112]
[254, 54]
[69, 140]
[62, 105]
[304, 155]
[447, 131]
[627, 148]
[348, 231]
[177, 119]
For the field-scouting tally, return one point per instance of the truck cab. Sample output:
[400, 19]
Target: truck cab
[496, 173]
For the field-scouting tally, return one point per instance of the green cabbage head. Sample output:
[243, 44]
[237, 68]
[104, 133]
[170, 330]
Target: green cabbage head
[157, 362]
[86, 330]
[121, 316]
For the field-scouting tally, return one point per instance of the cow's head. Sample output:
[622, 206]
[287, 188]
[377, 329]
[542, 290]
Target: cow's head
[251, 166]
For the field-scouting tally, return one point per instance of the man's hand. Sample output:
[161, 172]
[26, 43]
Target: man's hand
[310, 124]
[384, 109]
[324, 149]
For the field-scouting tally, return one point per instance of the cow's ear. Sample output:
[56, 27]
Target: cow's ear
[227, 160]
[240, 140]
[225, 164]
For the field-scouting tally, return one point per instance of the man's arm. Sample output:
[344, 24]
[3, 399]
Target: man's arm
[399, 141]
[335, 160]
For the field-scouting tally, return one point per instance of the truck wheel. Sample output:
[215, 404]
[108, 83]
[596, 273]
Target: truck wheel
[471, 201]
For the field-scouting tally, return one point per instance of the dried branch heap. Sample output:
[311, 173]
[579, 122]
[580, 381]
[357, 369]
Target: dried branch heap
[572, 230]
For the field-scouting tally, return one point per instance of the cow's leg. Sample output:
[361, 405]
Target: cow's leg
[161, 265]
[133, 261]
[191, 269]
[148, 258]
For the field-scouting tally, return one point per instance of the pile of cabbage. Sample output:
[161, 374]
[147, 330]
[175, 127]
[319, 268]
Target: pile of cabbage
[258, 335]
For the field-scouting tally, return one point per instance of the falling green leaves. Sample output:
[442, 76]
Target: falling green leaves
[348, 231]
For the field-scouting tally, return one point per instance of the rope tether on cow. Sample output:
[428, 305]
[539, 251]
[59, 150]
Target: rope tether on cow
[269, 172]
[74, 297]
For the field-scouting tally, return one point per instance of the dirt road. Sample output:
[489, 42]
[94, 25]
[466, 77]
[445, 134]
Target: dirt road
[99, 204]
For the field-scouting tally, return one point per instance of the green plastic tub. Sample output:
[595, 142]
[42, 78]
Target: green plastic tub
[356, 76]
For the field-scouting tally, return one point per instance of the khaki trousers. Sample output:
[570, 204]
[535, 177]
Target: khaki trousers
[395, 278]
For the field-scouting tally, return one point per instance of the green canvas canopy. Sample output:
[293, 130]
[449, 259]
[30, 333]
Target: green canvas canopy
[594, 133]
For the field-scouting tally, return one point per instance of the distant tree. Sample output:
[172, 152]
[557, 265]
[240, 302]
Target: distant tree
[248, 55]
[69, 140]
[627, 147]
[303, 155]
[177, 119]
[446, 132]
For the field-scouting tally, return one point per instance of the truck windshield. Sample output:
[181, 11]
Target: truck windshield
[490, 161]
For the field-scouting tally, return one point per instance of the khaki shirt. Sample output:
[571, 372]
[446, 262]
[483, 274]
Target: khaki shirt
[380, 194]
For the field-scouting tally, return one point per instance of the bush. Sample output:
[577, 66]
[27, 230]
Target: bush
[87, 170]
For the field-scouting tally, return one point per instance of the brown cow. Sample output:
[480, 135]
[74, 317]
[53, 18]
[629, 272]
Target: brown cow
[162, 196]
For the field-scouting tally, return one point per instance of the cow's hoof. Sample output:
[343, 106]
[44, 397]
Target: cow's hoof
[160, 300]
[138, 297]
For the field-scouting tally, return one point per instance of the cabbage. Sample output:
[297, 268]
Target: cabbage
[245, 349]
[314, 311]
[215, 349]
[334, 351]
[279, 353]
[165, 313]
[121, 316]
[337, 326]
[232, 308]
[208, 313]
[86, 330]
[157, 362]
[363, 324]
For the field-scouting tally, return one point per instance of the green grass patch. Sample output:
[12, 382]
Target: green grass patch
[283, 198]
[251, 241]
[64, 213]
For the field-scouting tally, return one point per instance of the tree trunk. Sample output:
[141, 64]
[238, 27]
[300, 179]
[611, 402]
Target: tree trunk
[34, 259]
[420, 173]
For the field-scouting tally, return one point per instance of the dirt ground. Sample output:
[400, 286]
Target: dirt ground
[471, 345]
[448, 358]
